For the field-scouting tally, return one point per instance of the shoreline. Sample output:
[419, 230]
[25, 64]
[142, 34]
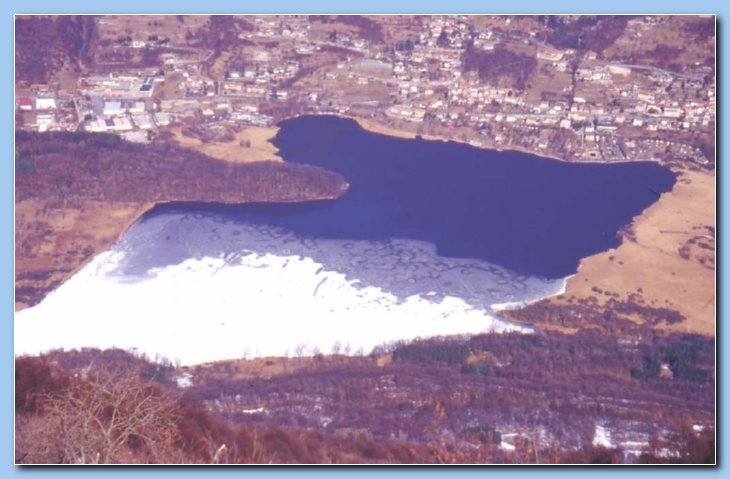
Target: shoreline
[374, 126]
[517, 305]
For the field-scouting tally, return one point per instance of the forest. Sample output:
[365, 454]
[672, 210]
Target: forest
[612, 317]
[68, 167]
[44, 45]
[500, 64]
[559, 384]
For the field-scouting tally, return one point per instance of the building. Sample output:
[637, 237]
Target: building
[96, 126]
[120, 124]
[109, 124]
[112, 108]
[25, 104]
[162, 118]
[45, 103]
[549, 54]
[143, 121]
[44, 121]
[136, 136]
[619, 70]
[137, 107]
[673, 112]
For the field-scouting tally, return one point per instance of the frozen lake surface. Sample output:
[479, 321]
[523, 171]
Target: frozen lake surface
[268, 293]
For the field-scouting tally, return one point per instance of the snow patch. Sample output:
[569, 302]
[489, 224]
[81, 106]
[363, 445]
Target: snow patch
[602, 437]
[185, 380]
[214, 308]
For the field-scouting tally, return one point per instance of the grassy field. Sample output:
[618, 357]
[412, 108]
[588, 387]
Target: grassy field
[111, 27]
[249, 144]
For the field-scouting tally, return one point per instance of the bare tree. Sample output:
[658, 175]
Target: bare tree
[108, 417]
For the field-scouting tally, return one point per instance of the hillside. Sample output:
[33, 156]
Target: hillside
[492, 398]
[76, 193]
[47, 47]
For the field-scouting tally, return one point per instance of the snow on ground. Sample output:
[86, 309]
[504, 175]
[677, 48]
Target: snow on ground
[602, 437]
[211, 309]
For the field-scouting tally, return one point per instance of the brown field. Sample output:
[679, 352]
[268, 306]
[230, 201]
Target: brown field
[113, 26]
[169, 88]
[653, 268]
[553, 83]
[236, 151]
[409, 130]
[376, 127]
[218, 69]
[243, 369]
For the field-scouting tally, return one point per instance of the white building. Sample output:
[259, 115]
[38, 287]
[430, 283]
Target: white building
[162, 118]
[143, 121]
[44, 121]
[137, 107]
[112, 108]
[136, 136]
[45, 103]
[619, 70]
[96, 126]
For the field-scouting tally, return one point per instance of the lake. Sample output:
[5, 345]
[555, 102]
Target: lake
[427, 240]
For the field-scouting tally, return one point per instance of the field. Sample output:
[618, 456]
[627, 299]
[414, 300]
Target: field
[248, 145]
[177, 28]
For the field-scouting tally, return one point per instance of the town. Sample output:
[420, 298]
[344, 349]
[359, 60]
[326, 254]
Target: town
[468, 79]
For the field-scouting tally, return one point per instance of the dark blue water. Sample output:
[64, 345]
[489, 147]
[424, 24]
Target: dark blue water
[534, 216]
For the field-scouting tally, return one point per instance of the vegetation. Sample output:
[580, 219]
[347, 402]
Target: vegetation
[71, 167]
[545, 397]
[437, 391]
[500, 64]
[366, 28]
[585, 32]
[101, 414]
[443, 352]
[61, 171]
[45, 45]
[702, 28]
[612, 317]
